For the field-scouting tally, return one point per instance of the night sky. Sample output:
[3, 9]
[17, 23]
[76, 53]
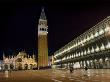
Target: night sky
[66, 21]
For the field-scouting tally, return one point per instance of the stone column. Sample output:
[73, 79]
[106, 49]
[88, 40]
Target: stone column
[94, 64]
[103, 63]
[88, 62]
[109, 62]
[82, 64]
[8, 66]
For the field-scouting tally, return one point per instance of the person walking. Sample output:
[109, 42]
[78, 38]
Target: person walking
[71, 69]
[86, 68]
[86, 71]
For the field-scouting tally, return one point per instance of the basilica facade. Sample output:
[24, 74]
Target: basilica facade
[22, 61]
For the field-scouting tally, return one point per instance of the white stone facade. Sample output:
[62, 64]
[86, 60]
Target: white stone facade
[20, 62]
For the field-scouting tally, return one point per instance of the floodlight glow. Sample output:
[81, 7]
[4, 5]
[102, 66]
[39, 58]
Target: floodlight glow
[92, 36]
[97, 48]
[82, 53]
[85, 52]
[107, 29]
[102, 47]
[96, 34]
[101, 32]
[88, 51]
[92, 50]
[108, 45]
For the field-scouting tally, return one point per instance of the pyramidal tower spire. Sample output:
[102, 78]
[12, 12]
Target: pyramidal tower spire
[42, 16]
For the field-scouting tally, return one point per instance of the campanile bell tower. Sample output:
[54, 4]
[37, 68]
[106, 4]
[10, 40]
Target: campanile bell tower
[42, 40]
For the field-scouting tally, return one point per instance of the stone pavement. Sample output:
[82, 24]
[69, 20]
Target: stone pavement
[51, 75]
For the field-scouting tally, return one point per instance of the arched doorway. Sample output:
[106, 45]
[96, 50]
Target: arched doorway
[11, 66]
[5, 67]
[100, 63]
[26, 66]
[19, 66]
[19, 60]
[31, 66]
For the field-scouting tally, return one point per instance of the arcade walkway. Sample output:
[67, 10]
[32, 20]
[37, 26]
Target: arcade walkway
[92, 75]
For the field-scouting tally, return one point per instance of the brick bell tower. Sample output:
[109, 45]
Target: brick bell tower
[42, 41]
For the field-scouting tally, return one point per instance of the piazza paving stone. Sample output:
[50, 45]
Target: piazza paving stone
[56, 76]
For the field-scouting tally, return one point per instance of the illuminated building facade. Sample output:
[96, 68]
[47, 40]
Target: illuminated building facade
[42, 41]
[91, 49]
[20, 62]
[1, 62]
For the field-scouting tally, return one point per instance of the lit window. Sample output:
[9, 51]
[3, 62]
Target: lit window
[85, 52]
[79, 53]
[107, 28]
[67, 57]
[106, 59]
[92, 36]
[81, 42]
[76, 44]
[88, 52]
[97, 48]
[92, 50]
[76, 54]
[102, 47]
[88, 38]
[71, 56]
[96, 34]
[82, 53]
[84, 40]
[101, 32]
[88, 62]
[108, 45]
